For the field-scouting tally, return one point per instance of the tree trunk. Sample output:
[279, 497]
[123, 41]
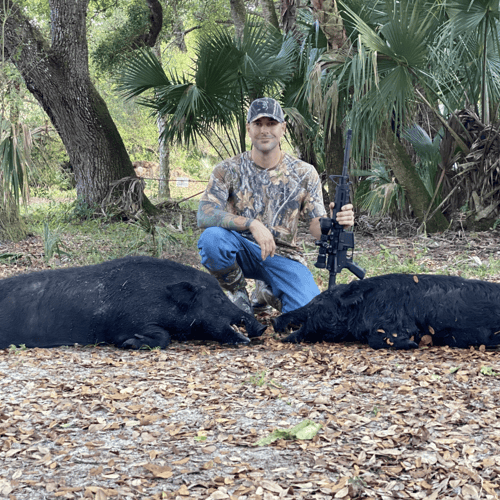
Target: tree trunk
[11, 225]
[327, 14]
[163, 147]
[58, 76]
[334, 156]
[164, 155]
[164, 186]
[238, 14]
[400, 163]
[289, 15]
[270, 13]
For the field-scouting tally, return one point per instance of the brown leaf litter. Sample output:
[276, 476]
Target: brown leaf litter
[97, 422]
[101, 423]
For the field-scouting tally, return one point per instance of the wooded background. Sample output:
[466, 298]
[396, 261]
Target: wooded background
[95, 85]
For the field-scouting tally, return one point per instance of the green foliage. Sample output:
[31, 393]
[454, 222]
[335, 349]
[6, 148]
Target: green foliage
[428, 153]
[379, 193]
[471, 42]
[52, 242]
[15, 150]
[13, 349]
[138, 131]
[50, 167]
[260, 379]
[115, 45]
[162, 238]
[309, 96]
[211, 100]
[81, 211]
[390, 60]
[307, 429]
[488, 371]
[73, 230]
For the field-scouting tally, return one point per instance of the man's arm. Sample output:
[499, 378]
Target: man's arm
[212, 208]
[211, 213]
[345, 218]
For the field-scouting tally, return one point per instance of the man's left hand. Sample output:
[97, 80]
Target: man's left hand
[346, 215]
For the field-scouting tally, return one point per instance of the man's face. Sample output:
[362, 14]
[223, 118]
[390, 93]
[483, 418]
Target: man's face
[266, 133]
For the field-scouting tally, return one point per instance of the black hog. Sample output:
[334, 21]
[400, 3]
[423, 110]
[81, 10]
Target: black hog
[130, 302]
[397, 310]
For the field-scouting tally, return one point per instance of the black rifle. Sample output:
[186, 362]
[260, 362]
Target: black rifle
[335, 241]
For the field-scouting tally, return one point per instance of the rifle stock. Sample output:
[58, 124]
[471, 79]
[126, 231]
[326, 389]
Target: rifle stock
[335, 240]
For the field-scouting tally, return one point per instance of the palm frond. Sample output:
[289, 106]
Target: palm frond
[466, 15]
[15, 155]
[143, 72]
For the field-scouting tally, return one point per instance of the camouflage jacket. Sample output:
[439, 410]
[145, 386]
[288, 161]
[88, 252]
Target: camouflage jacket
[240, 191]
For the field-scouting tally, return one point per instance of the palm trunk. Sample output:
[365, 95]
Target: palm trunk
[400, 163]
[327, 14]
[334, 157]
[289, 15]
[163, 148]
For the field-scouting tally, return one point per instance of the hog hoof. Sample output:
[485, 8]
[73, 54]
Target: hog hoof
[295, 337]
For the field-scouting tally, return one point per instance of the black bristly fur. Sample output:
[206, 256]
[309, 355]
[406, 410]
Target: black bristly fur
[397, 310]
[130, 302]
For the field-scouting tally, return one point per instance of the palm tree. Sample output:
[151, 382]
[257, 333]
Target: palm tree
[15, 152]
[472, 32]
[387, 76]
[211, 101]
[444, 56]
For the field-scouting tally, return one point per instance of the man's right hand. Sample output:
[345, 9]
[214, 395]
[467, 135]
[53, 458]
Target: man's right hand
[264, 238]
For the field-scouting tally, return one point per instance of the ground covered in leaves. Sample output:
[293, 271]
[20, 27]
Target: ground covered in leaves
[98, 422]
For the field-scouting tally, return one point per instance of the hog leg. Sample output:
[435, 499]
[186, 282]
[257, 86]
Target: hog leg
[297, 317]
[464, 338]
[382, 340]
[253, 327]
[296, 337]
[152, 336]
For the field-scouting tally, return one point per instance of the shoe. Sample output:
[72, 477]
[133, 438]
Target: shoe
[263, 299]
[231, 280]
[240, 298]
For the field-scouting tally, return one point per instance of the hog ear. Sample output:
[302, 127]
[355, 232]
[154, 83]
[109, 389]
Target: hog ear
[182, 294]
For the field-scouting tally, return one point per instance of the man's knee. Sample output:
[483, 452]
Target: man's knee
[218, 248]
[212, 237]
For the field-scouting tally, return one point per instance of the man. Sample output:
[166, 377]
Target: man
[250, 212]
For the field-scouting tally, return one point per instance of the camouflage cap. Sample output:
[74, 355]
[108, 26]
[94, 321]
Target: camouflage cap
[265, 106]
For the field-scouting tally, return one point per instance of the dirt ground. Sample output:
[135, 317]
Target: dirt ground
[98, 422]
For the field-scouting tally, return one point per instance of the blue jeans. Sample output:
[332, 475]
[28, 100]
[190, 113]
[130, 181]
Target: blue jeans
[290, 280]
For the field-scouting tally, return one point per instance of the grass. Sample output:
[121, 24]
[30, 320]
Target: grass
[417, 259]
[69, 232]
[260, 379]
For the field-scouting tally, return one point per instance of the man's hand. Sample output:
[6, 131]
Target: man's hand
[346, 215]
[345, 218]
[264, 238]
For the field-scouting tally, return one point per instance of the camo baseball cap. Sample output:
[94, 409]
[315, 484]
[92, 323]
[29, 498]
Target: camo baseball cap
[265, 106]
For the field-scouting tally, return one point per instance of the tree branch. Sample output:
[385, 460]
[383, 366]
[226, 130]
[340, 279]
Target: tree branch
[156, 20]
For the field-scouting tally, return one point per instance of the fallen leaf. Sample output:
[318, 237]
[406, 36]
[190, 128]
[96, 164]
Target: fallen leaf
[271, 486]
[183, 490]
[163, 472]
